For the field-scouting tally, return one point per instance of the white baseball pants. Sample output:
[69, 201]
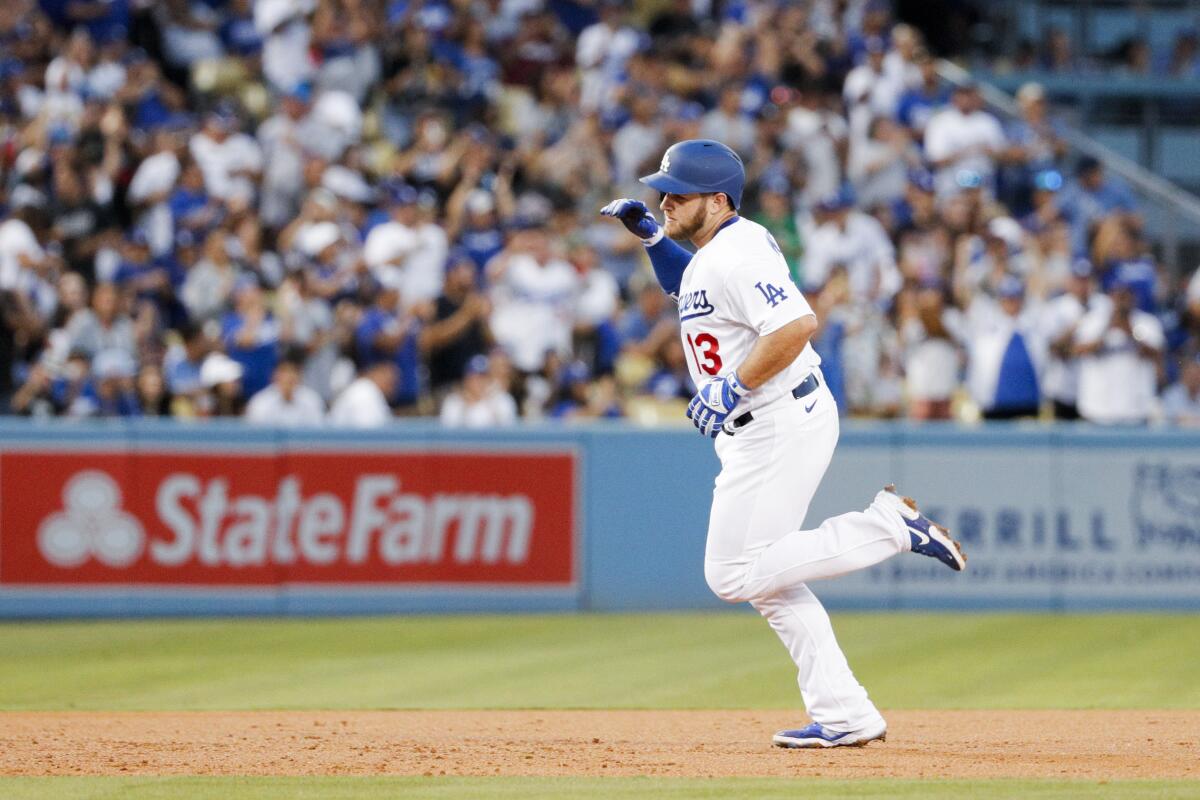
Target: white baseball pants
[757, 552]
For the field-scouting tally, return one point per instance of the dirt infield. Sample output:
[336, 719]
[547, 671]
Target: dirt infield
[921, 744]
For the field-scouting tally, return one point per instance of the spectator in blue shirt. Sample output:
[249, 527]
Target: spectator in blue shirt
[918, 105]
[1092, 197]
[384, 333]
[250, 334]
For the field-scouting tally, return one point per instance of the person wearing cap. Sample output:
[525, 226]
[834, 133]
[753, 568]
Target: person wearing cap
[1181, 400]
[1006, 353]
[842, 235]
[478, 402]
[221, 379]
[1060, 318]
[1120, 351]
[287, 402]
[230, 160]
[409, 250]
[963, 137]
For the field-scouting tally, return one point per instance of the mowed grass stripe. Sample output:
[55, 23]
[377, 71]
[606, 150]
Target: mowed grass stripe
[329, 788]
[692, 660]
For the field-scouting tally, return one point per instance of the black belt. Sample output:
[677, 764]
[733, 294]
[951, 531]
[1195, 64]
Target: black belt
[803, 389]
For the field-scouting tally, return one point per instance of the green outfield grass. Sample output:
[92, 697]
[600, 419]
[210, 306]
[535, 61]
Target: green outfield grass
[711, 660]
[582, 788]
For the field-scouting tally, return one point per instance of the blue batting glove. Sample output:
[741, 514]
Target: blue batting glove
[634, 215]
[714, 402]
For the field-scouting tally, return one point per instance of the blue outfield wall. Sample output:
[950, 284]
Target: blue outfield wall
[1052, 518]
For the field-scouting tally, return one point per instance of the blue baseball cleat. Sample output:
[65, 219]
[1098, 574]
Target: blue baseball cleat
[928, 538]
[817, 735]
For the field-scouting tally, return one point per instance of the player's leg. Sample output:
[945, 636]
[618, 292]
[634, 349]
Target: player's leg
[755, 546]
[768, 479]
[832, 695]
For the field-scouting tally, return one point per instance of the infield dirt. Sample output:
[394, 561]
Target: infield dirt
[920, 744]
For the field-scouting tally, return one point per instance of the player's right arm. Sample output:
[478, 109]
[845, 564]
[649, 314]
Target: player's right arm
[668, 259]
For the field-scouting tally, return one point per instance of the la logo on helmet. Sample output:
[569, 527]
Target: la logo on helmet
[665, 166]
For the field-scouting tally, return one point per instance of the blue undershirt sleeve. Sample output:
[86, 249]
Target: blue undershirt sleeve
[669, 261]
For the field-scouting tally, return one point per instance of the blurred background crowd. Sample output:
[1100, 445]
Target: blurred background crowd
[340, 211]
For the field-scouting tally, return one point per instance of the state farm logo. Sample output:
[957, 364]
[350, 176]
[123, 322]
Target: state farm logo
[93, 524]
[204, 522]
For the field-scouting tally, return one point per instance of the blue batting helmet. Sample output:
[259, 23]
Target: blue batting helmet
[700, 166]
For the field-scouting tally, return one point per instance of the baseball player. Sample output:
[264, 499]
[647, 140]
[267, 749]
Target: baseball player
[745, 329]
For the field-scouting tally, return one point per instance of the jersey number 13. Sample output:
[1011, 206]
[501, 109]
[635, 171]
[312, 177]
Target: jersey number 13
[706, 352]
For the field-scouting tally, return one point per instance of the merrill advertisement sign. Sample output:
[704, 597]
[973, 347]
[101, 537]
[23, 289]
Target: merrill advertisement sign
[321, 518]
[1063, 527]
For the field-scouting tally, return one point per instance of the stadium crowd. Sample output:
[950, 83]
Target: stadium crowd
[338, 211]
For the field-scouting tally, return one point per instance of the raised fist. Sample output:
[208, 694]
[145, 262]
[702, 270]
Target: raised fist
[634, 216]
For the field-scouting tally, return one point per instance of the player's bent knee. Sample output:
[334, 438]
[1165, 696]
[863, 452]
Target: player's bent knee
[727, 581]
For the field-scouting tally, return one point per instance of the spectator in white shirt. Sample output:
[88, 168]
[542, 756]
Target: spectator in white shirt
[601, 53]
[1119, 349]
[409, 251]
[287, 402]
[932, 356]
[478, 402]
[845, 237]
[963, 137]
[363, 404]
[1181, 401]
[900, 64]
[230, 161]
[1061, 316]
[819, 133]
[533, 299]
[869, 91]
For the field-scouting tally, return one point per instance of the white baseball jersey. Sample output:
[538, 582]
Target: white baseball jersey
[736, 289]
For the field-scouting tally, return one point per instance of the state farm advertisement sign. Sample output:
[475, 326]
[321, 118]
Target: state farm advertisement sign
[309, 518]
